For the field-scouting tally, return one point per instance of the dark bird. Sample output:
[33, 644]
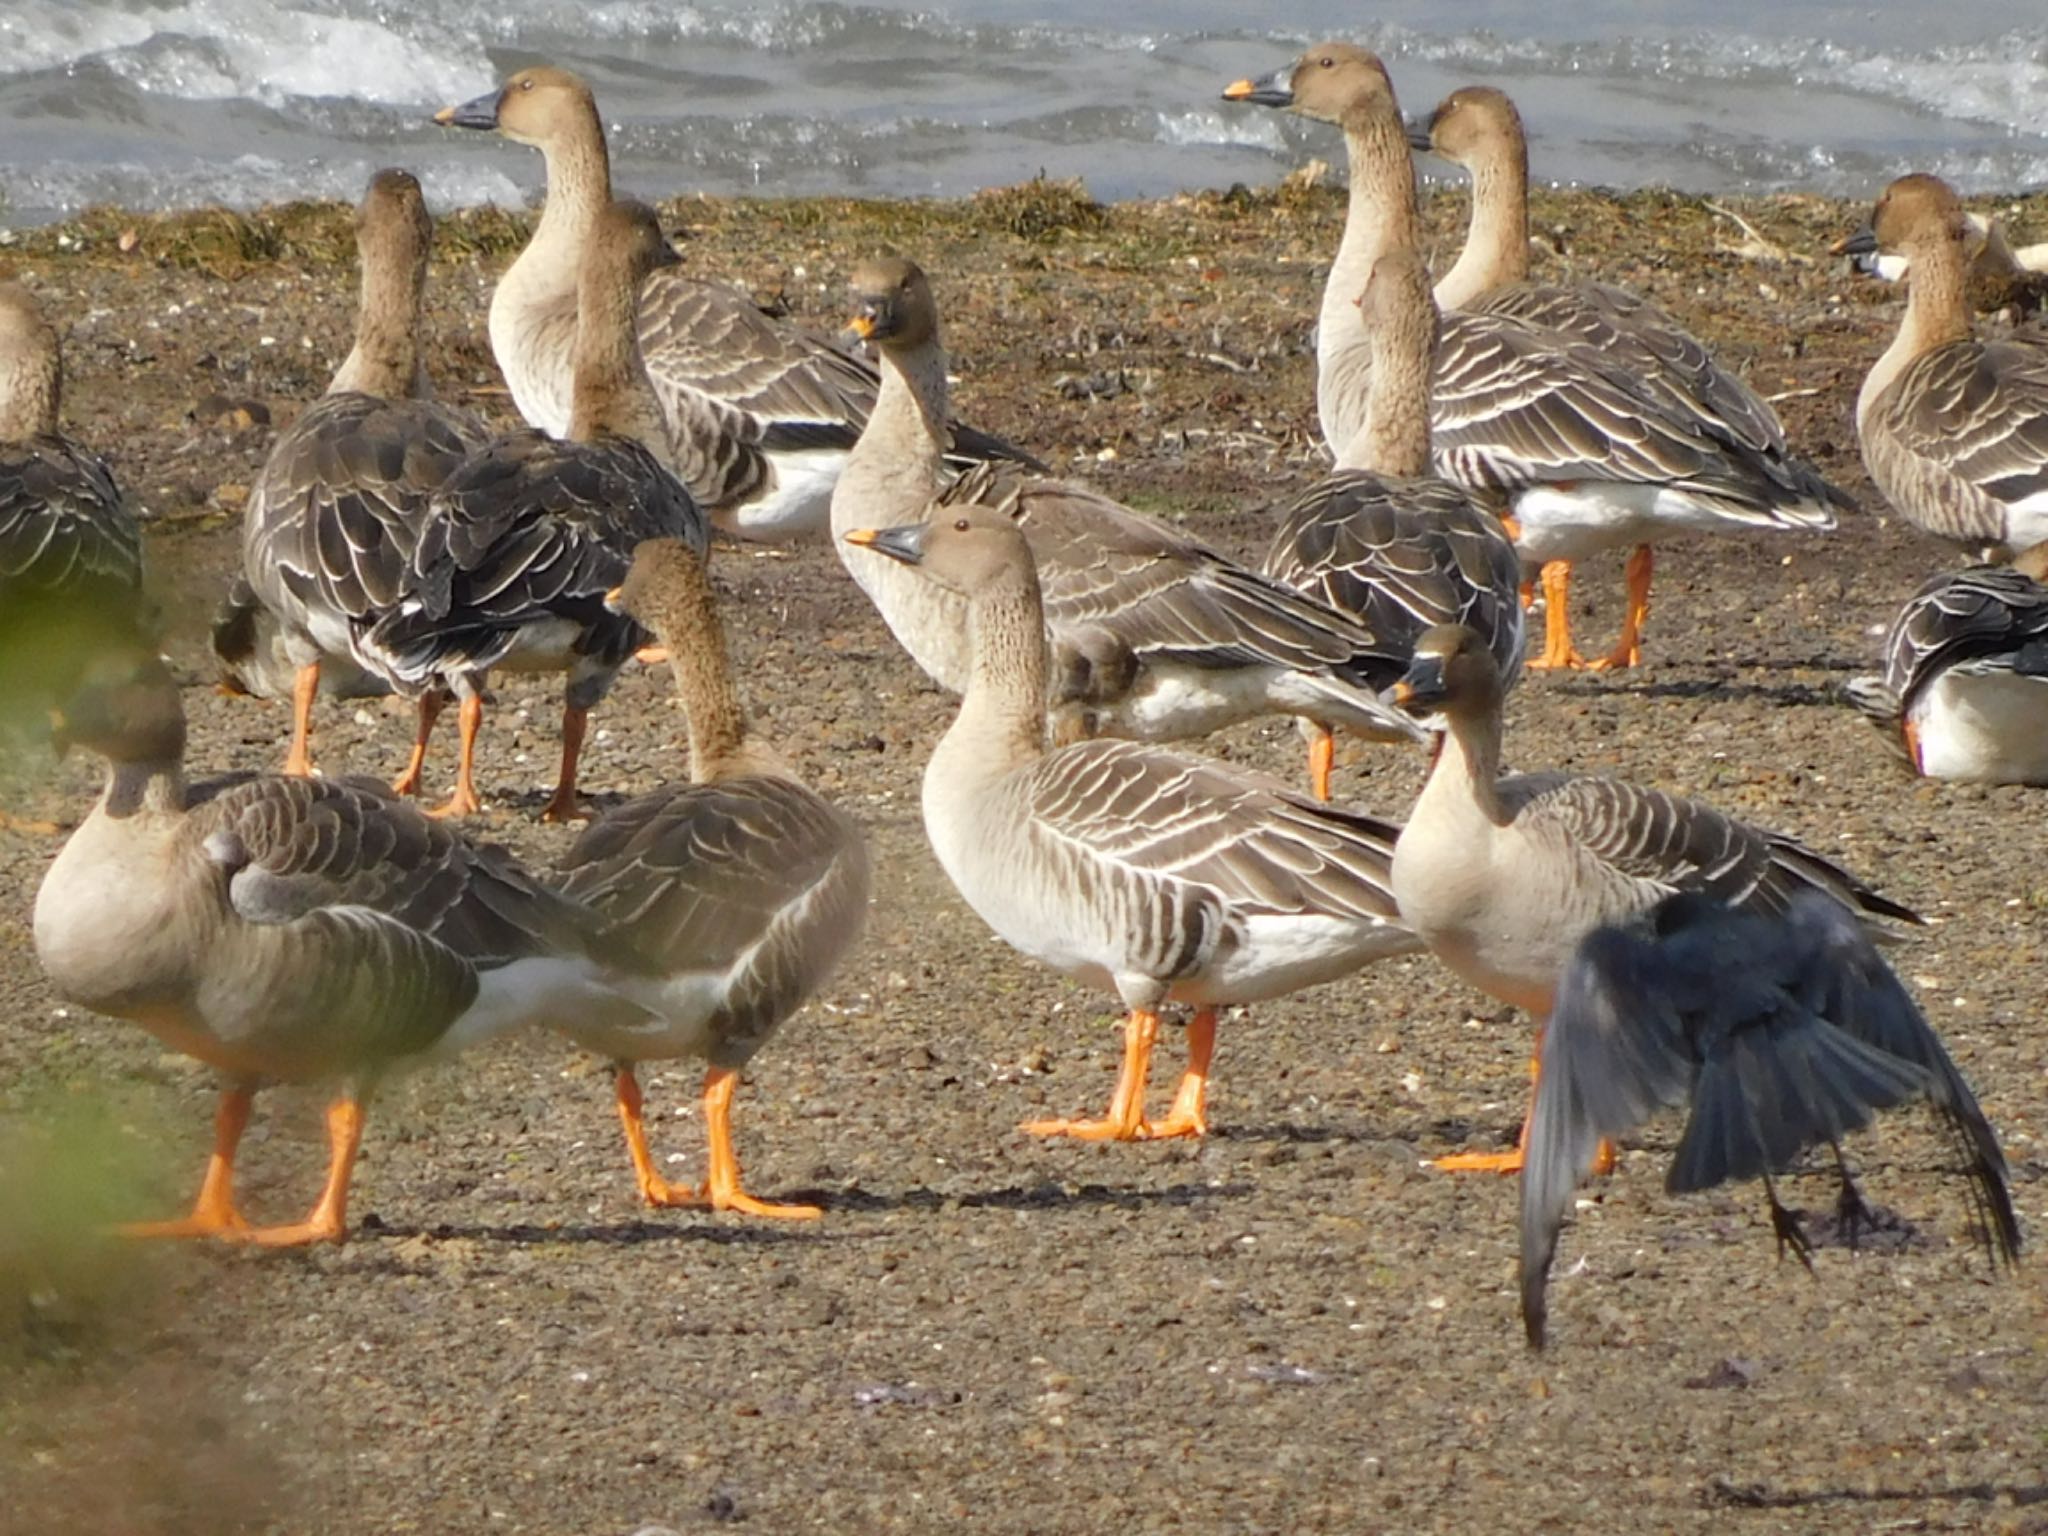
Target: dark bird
[1780, 1032]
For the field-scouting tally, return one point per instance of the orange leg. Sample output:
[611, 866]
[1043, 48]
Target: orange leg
[298, 761]
[328, 1221]
[651, 655]
[1908, 733]
[722, 1190]
[213, 1213]
[563, 805]
[1511, 1162]
[1628, 650]
[1189, 1115]
[1557, 619]
[408, 782]
[464, 801]
[27, 827]
[1322, 757]
[1126, 1118]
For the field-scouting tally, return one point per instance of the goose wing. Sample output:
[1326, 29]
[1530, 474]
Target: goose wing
[1675, 843]
[1978, 412]
[1164, 817]
[757, 877]
[1515, 405]
[527, 530]
[334, 517]
[1398, 555]
[1985, 618]
[63, 527]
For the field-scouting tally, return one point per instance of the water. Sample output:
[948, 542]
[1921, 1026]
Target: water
[174, 103]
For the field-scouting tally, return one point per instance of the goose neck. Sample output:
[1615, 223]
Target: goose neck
[895, 468]
[1496, 249]
[610, 389]
[1394, 439]
[1937, 312]
[155, 789]
[385, 360]
[1379, 216]
[1001, 724]
[31, 390]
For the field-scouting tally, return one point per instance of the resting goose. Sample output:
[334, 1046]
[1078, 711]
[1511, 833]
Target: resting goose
[1156, 875]
[1964, 692]
[1778, 1031]
[1585, 454]
[741, 890]
[284, 930]
[1155, 636]
[529, 533]
[70, 550]
[1384, 541]
[1501, 877]
[1954, 429]
[764, 413]
[335, 513]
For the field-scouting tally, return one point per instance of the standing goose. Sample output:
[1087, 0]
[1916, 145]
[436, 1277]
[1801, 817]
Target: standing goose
[1478, 128]
[1954, 430]
[740, 890]
[1383, 540]
[527, 536]
[70, 551]
[1964, 692]
[335, 514]
[1154, 635]
[1586, 455]
[1778, 1032]
[284, 930]
[1155, 875]
[1501, 877]
[764, 413]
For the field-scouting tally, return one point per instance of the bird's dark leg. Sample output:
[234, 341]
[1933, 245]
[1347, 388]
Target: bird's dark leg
[1850, 1209]
[1785, 1224]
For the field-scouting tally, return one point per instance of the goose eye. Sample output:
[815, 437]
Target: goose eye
[960, 525]
[526, 85]
[1327, 62]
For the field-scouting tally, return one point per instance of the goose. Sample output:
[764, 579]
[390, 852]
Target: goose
[741, 889]
[1954, 429]
[252, 656]
[1155, 636]
[1501, 877]
[528, 533]
[335, 512]
[1964, 691]
[284, 929]
[1586, 456]
[70, 550]
[1996, 264]
[1135, 869]
[1384, 541]
[1777, 1031]
[764, 413]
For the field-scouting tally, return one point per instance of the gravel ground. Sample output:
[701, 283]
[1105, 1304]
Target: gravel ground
[1294, 1326]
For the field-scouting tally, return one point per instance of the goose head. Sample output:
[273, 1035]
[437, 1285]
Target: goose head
[964, 550]
[1332, 82]
[1916, 215]
[1451, 673]
[891, 303]
[125, 708]
[1474, 123]
[663, 590]
[532, 107]
[393, 230]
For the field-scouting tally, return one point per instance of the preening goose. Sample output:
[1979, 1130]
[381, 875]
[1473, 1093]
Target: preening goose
[70, 551]
[739, 891]
[1158, 876]
[336, 511]
[764, 413]
[1954, 429]
[284, 930]
[1154, 635]
[529, 533]
[1964, 691]
[1778, 1032]
[1502, 877]
[1586, 456]
[1385, 542]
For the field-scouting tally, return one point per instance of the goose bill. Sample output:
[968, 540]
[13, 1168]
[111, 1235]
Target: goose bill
[1862, 243]
[482, 113]
[1274, 90]
[904, 542]
[1422, 687]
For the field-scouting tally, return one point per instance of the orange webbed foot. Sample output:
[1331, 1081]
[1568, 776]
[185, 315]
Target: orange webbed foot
[1087, 1130]
[229, 1224]
[1481, 1162]
[464, 802]
[570, 807]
